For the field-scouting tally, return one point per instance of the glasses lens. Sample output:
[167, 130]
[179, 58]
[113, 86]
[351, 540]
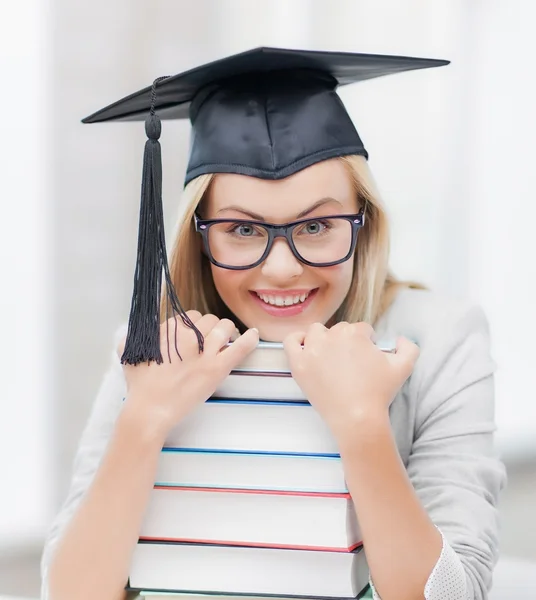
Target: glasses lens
[322, 241]
[237, 244]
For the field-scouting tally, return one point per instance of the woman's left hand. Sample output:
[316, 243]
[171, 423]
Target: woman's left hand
[344, 375]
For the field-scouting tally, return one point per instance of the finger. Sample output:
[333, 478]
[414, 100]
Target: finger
[364, 329]
[177, 340]
[231, 356]
[218, 336]
[194, 315]
[314, 333]
[339, 325]
[293, 345]
[207, 323]
[405, 357]
[170, 328]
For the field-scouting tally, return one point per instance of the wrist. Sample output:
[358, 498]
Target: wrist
[360, 423]
[150, 428]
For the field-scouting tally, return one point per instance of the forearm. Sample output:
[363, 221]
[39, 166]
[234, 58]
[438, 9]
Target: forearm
[96, 548]
[401, 542]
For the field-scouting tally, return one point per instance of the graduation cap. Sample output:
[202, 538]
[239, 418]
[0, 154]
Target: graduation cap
[265, 113]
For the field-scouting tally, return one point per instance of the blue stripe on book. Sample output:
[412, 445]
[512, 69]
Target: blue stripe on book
[253, 452]
[259, 401]
[255, 401]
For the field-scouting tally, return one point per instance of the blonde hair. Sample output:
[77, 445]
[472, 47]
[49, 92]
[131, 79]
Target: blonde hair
[373, 287]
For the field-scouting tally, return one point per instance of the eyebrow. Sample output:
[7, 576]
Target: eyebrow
[303, 213]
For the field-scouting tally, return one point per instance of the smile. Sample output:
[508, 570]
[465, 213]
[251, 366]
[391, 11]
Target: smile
[289, 304]
[283, 300]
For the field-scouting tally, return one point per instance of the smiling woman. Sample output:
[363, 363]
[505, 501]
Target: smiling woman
[284, 237]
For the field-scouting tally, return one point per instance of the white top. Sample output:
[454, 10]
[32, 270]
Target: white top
[443, 423]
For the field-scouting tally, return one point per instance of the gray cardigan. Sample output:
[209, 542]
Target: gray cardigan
[442, 418]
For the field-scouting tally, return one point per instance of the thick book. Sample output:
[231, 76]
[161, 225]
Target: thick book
[250, 471]
[260, 385]
[215, 569]
[252, 518]
[251, 426]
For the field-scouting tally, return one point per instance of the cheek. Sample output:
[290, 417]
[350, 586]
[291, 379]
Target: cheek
[339, 277]
[227, 283]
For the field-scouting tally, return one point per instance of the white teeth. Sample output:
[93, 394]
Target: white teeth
[283, 300]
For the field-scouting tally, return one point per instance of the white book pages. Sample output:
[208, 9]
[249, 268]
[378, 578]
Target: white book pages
[250, 471]
[240, 570]
[254, 427]
[251, 518]
[260, 387]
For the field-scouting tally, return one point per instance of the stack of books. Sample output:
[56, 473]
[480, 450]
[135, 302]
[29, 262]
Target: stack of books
[250, 498]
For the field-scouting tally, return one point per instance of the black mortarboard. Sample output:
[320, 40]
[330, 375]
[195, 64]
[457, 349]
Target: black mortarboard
[267, 113]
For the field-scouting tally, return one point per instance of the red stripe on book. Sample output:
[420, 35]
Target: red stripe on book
[250, 544]
[261, 492]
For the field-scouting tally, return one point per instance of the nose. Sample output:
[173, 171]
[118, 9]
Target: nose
[281, 264]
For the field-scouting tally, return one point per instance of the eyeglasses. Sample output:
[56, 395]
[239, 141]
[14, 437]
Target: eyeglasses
[243, 244]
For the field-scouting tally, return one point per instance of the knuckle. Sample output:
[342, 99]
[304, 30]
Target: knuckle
[227, 323]
[219, 332]
[363, 328]
[193, 314]
[208, 320]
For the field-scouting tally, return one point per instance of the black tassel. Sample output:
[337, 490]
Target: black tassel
[142, 343]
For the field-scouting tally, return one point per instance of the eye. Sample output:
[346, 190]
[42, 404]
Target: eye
[243, 229]
[316, 227]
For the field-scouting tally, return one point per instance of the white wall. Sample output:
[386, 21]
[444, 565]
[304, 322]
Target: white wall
[502, 212]
[25, 465]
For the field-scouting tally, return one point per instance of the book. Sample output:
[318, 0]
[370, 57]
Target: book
[250, 471]
[214, 569]
[270, 358]
[260, 385]
[252, 518]
[254, 426]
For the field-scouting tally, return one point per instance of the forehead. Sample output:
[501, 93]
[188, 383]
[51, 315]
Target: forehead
[273, 199]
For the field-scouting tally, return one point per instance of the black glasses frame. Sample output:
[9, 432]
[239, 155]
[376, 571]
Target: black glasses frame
[274, 231]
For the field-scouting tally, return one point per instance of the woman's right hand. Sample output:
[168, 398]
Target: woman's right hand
[165, 393]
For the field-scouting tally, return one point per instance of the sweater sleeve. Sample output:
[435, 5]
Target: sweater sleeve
[453, 465]
[91, 449]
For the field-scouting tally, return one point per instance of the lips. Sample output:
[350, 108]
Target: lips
[287, 304]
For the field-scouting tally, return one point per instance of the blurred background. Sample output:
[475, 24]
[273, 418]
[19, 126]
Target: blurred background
[452, 150]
